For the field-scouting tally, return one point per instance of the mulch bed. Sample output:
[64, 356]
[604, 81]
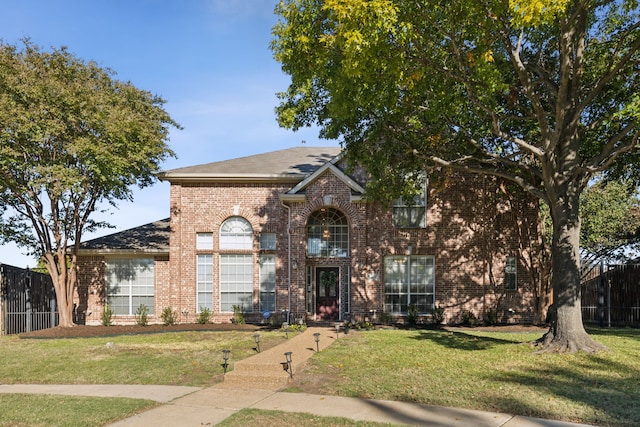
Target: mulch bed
[84, 331]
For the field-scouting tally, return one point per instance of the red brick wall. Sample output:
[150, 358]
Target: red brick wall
[473, 224]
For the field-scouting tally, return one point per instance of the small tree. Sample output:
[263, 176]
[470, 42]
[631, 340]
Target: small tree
[71, 139]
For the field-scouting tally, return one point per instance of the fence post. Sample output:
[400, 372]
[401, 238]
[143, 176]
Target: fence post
[601, 296]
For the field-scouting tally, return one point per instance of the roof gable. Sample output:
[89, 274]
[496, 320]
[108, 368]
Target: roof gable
[329, 166]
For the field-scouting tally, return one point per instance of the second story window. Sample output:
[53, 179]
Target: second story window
[327, 234]
[236, 233]
[411, 213]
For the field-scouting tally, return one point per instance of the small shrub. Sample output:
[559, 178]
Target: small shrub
[106, 319]
[142, 315]
[238, 315]
[204, 315]
[294, 327]
[412, 314]
[491, 317]
[437, 314]
[169, 316]
[385, 319]
[468, 318]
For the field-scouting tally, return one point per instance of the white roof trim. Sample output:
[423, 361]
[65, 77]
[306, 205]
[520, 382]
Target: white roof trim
[337, 172]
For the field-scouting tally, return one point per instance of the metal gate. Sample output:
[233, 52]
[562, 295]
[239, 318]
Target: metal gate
[27, 301]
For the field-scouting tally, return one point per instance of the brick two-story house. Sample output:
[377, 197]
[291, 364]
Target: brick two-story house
[289, 233]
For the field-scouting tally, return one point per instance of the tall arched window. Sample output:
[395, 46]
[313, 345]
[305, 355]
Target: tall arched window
[327, 234]
[236, 269]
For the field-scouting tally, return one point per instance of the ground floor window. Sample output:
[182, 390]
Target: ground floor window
[267, 283]
[236, 282]
[205, 282]
[408, 280]
[130, 284]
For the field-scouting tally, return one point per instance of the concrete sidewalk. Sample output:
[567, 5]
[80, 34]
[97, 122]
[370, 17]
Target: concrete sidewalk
[193, 406]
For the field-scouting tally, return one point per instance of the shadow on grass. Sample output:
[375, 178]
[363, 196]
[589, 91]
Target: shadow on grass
[611, 399]
[460, 340]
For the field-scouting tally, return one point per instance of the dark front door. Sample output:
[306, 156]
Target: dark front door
[327, 307]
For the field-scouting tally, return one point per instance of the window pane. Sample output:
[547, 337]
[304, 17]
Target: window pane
[267, 283]
[236, 282]
[130, 282]
[510, 271]
[204, 285]
[328, 234]
[204, 241]
[236, 233]
[268, 241]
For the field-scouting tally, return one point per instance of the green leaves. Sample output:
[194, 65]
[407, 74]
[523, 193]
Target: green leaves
[71, 137]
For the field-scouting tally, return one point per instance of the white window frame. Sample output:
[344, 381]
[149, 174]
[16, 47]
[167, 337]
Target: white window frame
[411, 213]
[267, 241]
[137, 289]
[267, 300]
[204, 241]
[402, 276]
[236, 233]
[204, 282]
[511, 273]
[236, 282]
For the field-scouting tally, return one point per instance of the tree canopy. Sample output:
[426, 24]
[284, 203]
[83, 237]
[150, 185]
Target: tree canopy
[72, 138]
[542, 93]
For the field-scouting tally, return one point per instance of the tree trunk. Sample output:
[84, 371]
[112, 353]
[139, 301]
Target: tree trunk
[63, 283]
[567, 333]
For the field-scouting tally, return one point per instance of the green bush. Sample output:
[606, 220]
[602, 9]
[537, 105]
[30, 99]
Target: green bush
[204, 315]
[385, 318]
[491, 317]
[106, 319]
[238, 315]
[468, 318]
[412, 314]
[142, 315]
[169, 316]
[437, 314]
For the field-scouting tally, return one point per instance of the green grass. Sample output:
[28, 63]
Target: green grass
[63, 411]
[467, 368]
[263, 418]
[175, 358]
[489, 371]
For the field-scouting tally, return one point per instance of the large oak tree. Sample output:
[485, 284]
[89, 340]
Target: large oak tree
[72, 140]
[543, 93]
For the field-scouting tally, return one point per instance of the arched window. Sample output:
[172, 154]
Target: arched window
[236, 268]
[327, 234]
[236, 233]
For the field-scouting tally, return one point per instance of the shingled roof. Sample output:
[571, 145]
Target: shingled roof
[290, 165]
[148, 238]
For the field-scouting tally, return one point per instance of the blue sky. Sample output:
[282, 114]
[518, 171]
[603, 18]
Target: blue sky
[209, 59]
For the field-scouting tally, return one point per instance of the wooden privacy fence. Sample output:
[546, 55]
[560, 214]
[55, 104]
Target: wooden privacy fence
[27, 301]
[611, 296]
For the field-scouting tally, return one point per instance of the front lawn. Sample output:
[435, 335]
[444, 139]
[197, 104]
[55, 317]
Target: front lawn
[493, 371]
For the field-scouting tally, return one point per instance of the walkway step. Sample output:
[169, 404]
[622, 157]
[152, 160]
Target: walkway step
[264, 371]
